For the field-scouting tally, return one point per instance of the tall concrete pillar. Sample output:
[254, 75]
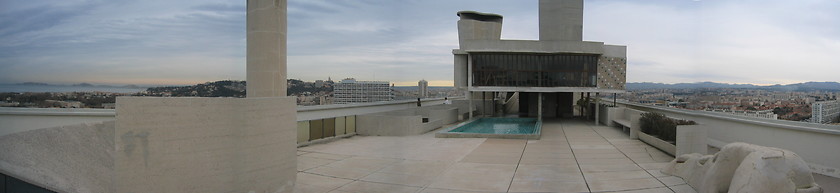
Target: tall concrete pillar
[561, 20]
[266, 48]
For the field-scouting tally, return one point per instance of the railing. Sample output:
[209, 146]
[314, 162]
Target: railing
[816, 143]
[315, 123]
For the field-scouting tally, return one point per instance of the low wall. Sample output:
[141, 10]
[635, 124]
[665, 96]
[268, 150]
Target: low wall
[70, 158]
[813, 142]
[407, 121]
[306, 113]
[384, 125]
[23, 119]
[205, 144]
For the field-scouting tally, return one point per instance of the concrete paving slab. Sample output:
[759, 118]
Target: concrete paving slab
[685, 188]
[610, 162]
[620, 175]
[623, 185]
[547, 186]
[370, 187]
[671, 180]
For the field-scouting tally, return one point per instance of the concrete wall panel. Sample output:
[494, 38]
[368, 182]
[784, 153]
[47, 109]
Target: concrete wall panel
[205, 144]
[329, 127]
[351, 124]
[303, 131]
[340, 126]
[316, 129]
[70, 158]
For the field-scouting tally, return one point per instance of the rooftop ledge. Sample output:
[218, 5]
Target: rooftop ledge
[793, 125]
[535, 46]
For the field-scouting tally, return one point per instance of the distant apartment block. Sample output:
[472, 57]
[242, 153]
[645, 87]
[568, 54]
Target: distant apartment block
[351, 91]
[423, 89]
[548, 73]
[825, 111]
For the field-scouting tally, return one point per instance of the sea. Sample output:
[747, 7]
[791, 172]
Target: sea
[65, 88]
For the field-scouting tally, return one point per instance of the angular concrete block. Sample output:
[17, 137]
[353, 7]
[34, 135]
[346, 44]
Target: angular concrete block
[692, 139]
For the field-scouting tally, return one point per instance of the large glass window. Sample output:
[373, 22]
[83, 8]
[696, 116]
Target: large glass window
[534, 70]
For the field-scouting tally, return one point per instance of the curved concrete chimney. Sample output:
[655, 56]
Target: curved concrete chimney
[479, 26]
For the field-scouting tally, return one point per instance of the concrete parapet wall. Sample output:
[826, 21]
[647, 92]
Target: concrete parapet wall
[16, 119]
[306, 113]
[70, 158]
[205, 144]
[384, 125]
[407, 121]
[813, 142]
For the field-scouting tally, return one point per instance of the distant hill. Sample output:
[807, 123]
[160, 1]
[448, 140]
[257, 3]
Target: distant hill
[132, 86]
[232, 88]
[33, 84]
[224, 88]
[799, 87]
[807, 87]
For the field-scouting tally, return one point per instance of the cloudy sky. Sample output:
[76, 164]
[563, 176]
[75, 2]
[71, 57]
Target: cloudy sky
[162, 42]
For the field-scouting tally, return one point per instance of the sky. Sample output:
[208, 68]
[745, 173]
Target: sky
[162, 42]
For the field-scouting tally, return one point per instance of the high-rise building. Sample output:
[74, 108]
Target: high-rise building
[549, 73]
[423, 87]
[825, 111]
[351, 91]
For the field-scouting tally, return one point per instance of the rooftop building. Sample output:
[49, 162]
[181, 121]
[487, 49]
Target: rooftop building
[549, 70]
[264, 143]
[422, 89]
[351, 91]
[825, 111]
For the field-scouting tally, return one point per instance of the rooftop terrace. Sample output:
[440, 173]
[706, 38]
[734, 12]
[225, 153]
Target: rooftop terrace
[571, 156]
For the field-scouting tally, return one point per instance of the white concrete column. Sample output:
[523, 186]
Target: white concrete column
[266, 48]
[597, 109]
[469, 97]
[539, 105]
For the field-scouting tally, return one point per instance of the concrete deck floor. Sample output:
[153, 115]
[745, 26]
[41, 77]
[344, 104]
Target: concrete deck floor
[571, 156]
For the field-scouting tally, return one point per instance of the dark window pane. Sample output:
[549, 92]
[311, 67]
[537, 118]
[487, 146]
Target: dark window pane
[534, 70]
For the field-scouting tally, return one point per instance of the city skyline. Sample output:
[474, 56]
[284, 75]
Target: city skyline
[168, 43]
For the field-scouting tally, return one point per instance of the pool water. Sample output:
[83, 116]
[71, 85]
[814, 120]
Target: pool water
[499, 126]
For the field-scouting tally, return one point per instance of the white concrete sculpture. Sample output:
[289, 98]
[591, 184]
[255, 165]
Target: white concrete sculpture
[741, 167]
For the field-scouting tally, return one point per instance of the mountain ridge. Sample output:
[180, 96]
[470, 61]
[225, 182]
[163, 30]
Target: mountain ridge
[800, 87]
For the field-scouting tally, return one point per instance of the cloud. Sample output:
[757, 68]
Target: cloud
[98, 42]
[764, 42]
[181, 42]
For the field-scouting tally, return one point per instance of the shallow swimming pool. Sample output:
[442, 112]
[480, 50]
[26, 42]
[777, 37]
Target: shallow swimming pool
[512, 128]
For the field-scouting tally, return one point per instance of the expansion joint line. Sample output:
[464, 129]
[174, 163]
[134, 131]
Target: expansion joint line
[517, 165]
[563, 128]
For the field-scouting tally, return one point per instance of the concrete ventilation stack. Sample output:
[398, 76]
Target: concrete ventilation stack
[479, 26]
[266, 48]
[561, 20]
